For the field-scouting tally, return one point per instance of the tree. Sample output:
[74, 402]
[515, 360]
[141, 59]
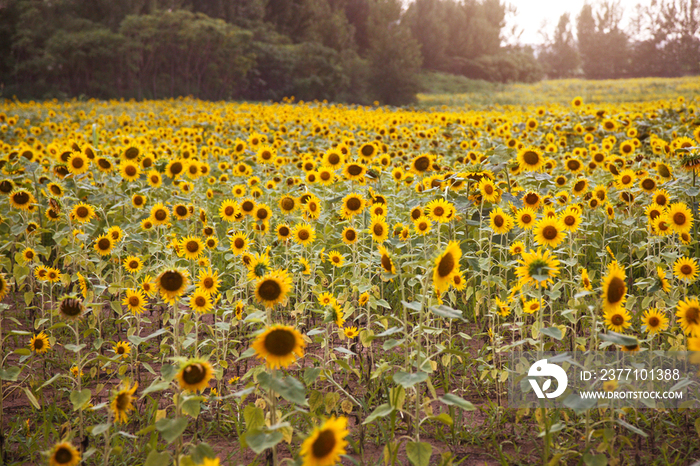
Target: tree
[560, 56]
[602, 44]
[426, 19]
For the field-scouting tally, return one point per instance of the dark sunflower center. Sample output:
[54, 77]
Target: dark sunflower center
[247, 206]
[648, 184]
[617, 320]
[579, 186]
[488, 189]
[176, 168]
[155, 178]
[378, 229]
[686, 269]
[133, 265]
[386, 262]
[181, 210]
[532, 199]
[122, 401]
[21, 198]
[350, 235]
[438, 211]
[325, 176]
[270, 290]
[550, 232]
[130, 170]
[312, 206]
[353, 204]
[334, 159]
[692, 315]
[63, 456]
[194, 374]
[171, 280]
[531, 157]
[192, 246]
[77, 162]
[498, 221]
[104, 244]
[679, 218]
[653, 322]
[287, 203]
[422, 163]
[598, 157]
[70, 307]
[663, 171]
[200, 301]
[134, 301]
[208, 282]
[138, 200]
[261, 214]
[626, 179]
[120, 350]
[303, 234]
[131, 153]
[573, 164]
[616, 290]
[6, 187]
[38, 343]
[160, 215]
[284, 231]
[82, 212]
[239, 243]
[569, 220]
[446, 265]
[526, 218]
[280, 342]
[324, 444]
[367, 150]
[354, 169]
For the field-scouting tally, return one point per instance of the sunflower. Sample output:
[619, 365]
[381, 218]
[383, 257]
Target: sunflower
[64, 454]
[272, 288]
[446, 265]
[195, 374]
[353, 204]
[327, 299]
[458, 281]
[239, 243]
[571, 219]
[549, 231]
[586, 280]
[325, 445]
[78, 163]
[333, 158]
[354, 171]
[681, 218]
[122, 349]
[530, 158]
[363, 299]
[159, 214]
[278, 345]
[686, 269]
[516, 248]
[305, 267]
[336, 258]
[303, 234]
[531, 306]
[82, 213]
[501, 223]
[147, 286]
[531, 199]
[526, 218]
[488, 190]
[654, 321]
[439, 210]
[379, 229]
[133, 264]
[208, 281]
[537, 267]
[351, 332]
[367, 151]
[661, 197]
[181, 212]
[423, 225]
[312, 209]
[191, 247]
[134, 300]
[71, 308]
[40, 343]
[28, 254]
[138, 201]
[122, 402]
[614, 288]
[52, 275]
[130, 170]
[688, 314]
[662, 225]
[502, 307]
[663, 282]
[200, 301]
[349, 235]
[154, 179]
[387, 263]
[171, 284]
[618, 319]
[175, 168]
[116, 233]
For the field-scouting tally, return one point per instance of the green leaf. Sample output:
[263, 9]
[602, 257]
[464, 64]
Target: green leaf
[454, 400]
[171, 429]
[155, 387]
[32, 398]
[419, 453]
[74, 348]
[447, 312]
[101, 428]
[202, 451]
[407, 380]
[192, 406]
[444, 418]
[381, 411]
[618, 339]
[595, 460]
[80, 398]
[632, 428]
[578, 404]
[157, 459]
[23, 351]
[553, 332]
[10, 374]
[259, 441]
[254, 417]
[311, 374]
[413, 305]
[288, 388]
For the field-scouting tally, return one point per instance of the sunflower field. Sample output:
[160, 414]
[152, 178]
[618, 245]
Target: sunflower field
[304, 283]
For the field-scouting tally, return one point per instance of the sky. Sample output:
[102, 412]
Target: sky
[535, 16]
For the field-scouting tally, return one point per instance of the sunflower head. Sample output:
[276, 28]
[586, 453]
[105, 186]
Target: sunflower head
[71, 308]
[194, 375]
[279, 345]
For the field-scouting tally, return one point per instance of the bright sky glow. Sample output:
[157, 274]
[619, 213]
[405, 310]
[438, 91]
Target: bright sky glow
[536, 16]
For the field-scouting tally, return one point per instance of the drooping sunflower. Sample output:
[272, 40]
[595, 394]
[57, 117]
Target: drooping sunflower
[305, 266]
[195, 374]
[82, 213]
[654, 321]
[325, 445]
[133, 264]
[64, 454]
[191, 247]
[617, 320]
[530, 158]
[134, 300]
[549, 231]
[538, 268]
[279, 345]
[71, 308]
[122, 402]
[379, 229]
[614, 288]
[159, 214]
[586, 280]
[273, 288]
[122, 349]
[446, 265]
[200, 301]
[40, 343]
[386, 262]
[501, 223]
[688, 314]
[680, 217]
[686, 269]
[171, 283]
[663, 281]
[303, 233]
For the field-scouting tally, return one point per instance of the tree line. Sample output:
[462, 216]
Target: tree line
[340, 50]
[661, 38]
